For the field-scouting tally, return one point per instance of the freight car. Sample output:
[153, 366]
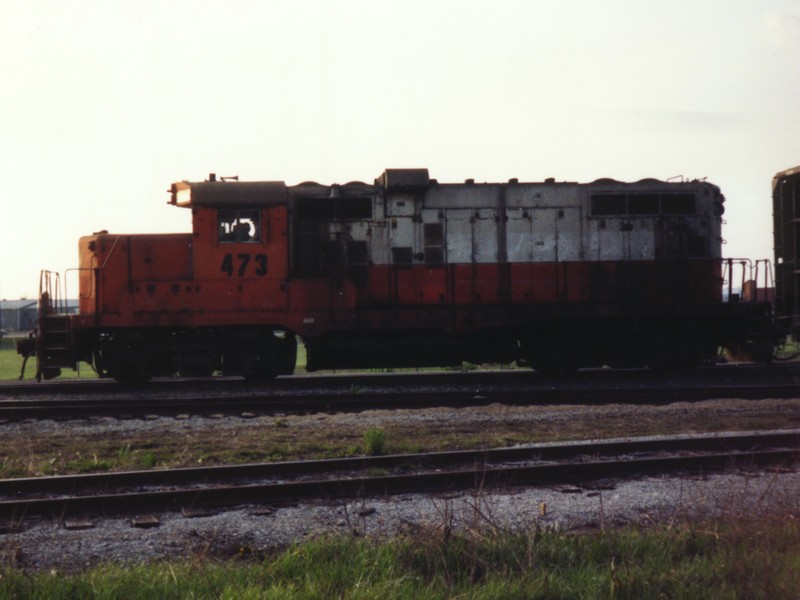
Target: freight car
[410, 272]
[786, 217]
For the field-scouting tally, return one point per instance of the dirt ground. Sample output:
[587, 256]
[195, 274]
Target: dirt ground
[46, 447]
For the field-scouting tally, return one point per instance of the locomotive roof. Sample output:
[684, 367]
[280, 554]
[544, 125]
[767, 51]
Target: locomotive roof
[223, 193]
[215, 193]
[794, 171]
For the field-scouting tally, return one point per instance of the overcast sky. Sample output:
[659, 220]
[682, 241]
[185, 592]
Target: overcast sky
[104, 104]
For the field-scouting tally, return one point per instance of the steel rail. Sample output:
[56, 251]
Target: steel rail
[65, 408]
[716, 452]
[785, 373]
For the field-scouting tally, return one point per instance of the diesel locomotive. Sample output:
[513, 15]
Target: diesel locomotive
[410, 272]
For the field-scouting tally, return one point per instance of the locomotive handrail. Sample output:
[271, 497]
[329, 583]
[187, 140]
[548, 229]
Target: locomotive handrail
[750, 273]
[95, 269]
[110, 254]
[769, 277]
[49, 295]
[727, 273]
[55, 302]
[79, 269]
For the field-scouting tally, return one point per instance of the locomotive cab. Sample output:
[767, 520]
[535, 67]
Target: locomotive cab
[191, 304]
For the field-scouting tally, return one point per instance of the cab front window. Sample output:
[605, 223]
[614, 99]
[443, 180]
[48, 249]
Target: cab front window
[239, 226]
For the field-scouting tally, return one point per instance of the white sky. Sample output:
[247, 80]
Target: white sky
[104, 104]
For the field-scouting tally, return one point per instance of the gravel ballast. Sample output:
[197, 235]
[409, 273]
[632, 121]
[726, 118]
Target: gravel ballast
[51, 545]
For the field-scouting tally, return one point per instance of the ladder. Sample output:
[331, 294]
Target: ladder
[54, 348]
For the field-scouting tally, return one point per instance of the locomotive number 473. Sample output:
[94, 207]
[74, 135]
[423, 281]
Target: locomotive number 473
[242, 264]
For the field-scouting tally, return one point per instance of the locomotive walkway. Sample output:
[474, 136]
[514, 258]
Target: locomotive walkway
[272, 484]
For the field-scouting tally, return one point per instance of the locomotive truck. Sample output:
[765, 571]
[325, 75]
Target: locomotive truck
[410, 272]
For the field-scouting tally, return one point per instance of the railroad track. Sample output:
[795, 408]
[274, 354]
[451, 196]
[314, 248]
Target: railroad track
[787, 372]
[279, 483]
[355, 400]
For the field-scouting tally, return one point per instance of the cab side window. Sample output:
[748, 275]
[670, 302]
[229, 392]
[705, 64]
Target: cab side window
[239, 226]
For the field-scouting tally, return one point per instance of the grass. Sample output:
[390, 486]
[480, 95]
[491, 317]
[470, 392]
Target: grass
[789, 349]
[721, 560]
[11, 363]
[175, 443]
[374, 441]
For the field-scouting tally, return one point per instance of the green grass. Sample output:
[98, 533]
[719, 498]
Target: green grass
[731, 560]
[11, 363]
[374, 441]
[789, 349]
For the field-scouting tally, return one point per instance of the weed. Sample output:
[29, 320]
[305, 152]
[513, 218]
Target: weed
[374, 441]
[88, 465]
[717, 559]
[148, 460]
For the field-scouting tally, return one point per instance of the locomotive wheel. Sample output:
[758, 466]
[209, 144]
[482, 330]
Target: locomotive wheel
[287, 355]
[130, 366]
[196, 372]
[686, 346]
[260, 363]
[553, 360]
[196, 364]
[671, 359]
[50, 373]
[267, 356]
[260, 376]
[129, 359]
[553, 353]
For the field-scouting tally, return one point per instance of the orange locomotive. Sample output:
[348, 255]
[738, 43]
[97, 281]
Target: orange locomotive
[408, 272]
